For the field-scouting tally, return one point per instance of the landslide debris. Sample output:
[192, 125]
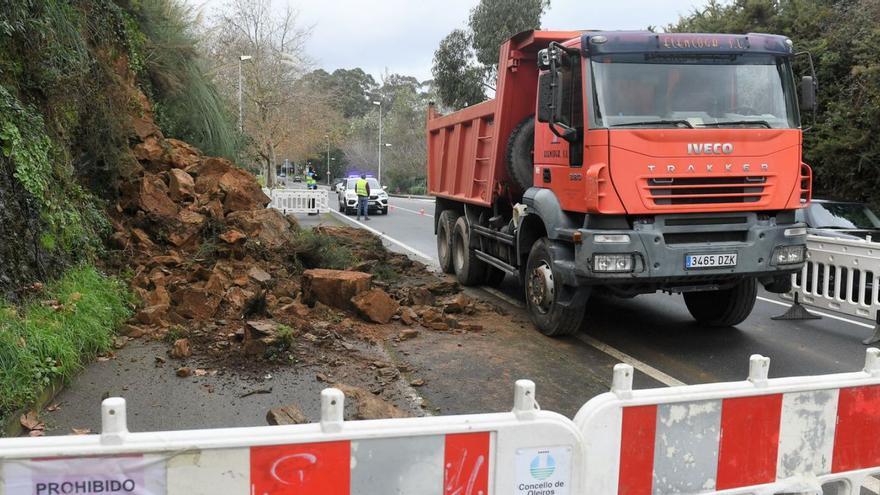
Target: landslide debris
[230, 284]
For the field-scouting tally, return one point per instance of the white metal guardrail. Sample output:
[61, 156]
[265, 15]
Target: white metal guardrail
[482, 454]
[840, 275]
[804, 435]
[298, 200]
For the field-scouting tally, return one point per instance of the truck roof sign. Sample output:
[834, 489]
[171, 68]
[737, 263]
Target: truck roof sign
[609, 42]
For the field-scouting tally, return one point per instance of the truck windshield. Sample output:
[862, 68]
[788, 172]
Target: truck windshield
[642, 90]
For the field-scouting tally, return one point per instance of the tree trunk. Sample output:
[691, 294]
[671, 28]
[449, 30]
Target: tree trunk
[270, 173]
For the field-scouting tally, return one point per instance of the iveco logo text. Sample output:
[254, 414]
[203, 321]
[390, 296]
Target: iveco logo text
[709, 168]
[710, 148]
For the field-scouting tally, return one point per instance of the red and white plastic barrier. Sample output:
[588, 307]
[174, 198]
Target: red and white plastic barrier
[760, 437]
[504, 453]
[785, 435]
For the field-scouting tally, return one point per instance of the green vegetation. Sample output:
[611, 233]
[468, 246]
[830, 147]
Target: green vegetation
[54, 335]
[321, 251]
[842, 146]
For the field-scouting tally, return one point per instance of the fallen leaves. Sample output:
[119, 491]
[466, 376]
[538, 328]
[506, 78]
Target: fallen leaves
[32, 423]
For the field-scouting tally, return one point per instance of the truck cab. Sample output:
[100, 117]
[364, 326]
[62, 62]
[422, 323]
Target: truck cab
[647, 162]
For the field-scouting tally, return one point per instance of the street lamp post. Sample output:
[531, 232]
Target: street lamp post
[241, 58]
[380, 139]
[327, 137]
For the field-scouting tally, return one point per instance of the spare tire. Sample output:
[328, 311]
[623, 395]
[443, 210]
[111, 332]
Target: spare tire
[520, 153]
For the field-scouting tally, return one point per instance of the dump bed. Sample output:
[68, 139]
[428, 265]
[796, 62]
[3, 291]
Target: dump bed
[466, 149]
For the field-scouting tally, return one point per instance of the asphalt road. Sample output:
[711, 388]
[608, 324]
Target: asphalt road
[657, 331]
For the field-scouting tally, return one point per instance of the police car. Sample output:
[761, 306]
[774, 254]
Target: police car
[378, 202]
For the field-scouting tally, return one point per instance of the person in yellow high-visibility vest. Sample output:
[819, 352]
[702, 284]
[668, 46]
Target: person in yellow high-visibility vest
[362, 189]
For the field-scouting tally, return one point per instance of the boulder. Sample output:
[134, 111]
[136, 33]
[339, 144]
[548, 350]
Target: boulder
[368, 405]
[232, 236]
[458, 303]
[150, 151]
[181, 154]
[181, 185]
[408, 333]
[187, 228]
[268, 226]
[421, 296]
[194, 302]
[157, 297]
[375, 305]
[257, 274]
[143, 239]
[243, 192]
[180, 349]
[152, 198]
[152, 315]
[408, 316]
[236, 298]
[333, 287]
[286, 415]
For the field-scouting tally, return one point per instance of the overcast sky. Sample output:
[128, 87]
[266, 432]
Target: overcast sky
[401, 35]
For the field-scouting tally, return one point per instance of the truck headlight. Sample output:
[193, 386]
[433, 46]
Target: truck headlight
[613, 263]
[788, 255]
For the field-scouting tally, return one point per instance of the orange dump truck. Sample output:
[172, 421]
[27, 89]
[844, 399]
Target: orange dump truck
[627, 163]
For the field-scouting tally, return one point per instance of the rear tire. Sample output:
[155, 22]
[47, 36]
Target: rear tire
[723, 308]
[468, 269]
[445, 227]
[543, 293]
[521, 153]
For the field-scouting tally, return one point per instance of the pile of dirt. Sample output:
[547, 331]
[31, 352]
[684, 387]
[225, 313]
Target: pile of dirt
[233, 284]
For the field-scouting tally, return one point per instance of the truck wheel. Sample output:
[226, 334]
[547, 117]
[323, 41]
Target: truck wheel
[549, 314]
[468, 269]
[723, 308]
[445, 226]
[494, 276]
[520, 153]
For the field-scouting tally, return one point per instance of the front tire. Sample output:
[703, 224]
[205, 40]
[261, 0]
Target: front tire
[552, 307]
[468, 268]
[445, 227]
[723, 308]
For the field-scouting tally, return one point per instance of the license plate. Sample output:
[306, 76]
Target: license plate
[709, 260]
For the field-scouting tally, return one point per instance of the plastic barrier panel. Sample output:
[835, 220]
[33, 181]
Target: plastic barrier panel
[299, 200]
[785, 435]
[526, 451]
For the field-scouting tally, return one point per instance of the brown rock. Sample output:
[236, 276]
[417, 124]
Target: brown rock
[184, 372]
[237, 297]
[297, 309]
[259, 275]
[268, 226]
[458, 303]
[232, 236]
[152, 315]
[439, 326]
[243, 192]
[217, 284]
[408, 333]
[286, 415]
[142, 238]
[150, 151]
[189, 226]
[254, 347]
[368, 405]
[255, 329]
[181, 349]
[181, 154]
[132, 331]
[375, 305]
[214, 209]
[333, 287]
[194, 302]
[158, 297]
[420, 296]
[408, 316]
[181, 185]
[153, 199]
[167, 260]
[286, 287]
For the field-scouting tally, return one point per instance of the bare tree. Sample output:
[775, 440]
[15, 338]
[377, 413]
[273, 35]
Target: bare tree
[273, 109]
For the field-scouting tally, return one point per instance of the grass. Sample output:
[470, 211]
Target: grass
[40, 343]
[322, 251]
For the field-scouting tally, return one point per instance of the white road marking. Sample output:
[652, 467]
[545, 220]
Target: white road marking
[603, 347]
[386, 237]
[392, 207]
[819, 313]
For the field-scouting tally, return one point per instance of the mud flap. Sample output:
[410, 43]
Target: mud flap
[796, 312]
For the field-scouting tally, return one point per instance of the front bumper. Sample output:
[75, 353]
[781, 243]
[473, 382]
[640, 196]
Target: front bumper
[374, 204]
[659, 247]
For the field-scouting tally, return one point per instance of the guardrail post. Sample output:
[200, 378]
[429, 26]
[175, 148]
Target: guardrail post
[759, 367]
[872, 361]
[332, 410]
[622, 381]
[524, 403]
[114, 425]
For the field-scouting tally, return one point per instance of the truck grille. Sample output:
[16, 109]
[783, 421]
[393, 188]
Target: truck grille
[670, 191]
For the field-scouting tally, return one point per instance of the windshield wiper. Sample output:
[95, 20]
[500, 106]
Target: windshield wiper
[676, 123]
[762, 123]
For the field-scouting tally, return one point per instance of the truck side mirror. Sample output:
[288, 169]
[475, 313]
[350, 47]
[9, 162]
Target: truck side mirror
[553, 107]
[808, 93]
[548, 99]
